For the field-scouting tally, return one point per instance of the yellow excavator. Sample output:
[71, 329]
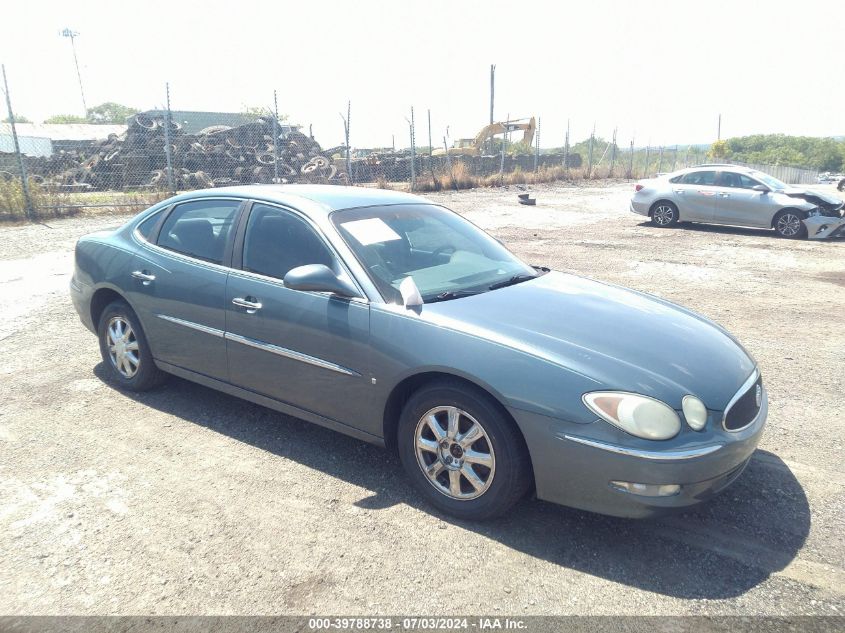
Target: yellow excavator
[473, 146]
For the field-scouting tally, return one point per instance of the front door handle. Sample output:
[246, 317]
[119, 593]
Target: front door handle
[724, 195]
[145, 278]
[245, 302]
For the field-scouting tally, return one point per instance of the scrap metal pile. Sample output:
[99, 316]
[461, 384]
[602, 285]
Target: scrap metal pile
[214, 157]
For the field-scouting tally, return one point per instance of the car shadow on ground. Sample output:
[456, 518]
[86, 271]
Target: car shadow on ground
[721, 550]
[719, 229]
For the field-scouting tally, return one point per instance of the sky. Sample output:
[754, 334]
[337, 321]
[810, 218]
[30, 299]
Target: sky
[660, 72]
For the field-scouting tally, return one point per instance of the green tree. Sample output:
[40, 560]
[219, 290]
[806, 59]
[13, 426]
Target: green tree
[720, 150]
[110, 113]
[66, 118]
[19, 118]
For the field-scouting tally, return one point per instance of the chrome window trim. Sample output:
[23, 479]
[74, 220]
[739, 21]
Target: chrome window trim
[136, 235]
[194, 326]
[755, 375]
[289, 353]
[643, 454]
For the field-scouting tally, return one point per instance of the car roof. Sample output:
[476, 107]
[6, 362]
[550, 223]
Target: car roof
[722, 166]
[311, 198]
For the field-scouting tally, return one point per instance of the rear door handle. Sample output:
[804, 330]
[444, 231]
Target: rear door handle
[724, 195]
[680, 192]
[145, 278]
[244, 302]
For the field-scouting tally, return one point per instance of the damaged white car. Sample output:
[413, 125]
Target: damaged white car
[738, 196]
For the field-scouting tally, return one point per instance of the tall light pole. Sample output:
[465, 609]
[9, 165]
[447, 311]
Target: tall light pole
[72, 34]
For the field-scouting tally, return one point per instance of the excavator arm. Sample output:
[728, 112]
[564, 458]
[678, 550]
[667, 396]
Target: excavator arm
[529, 126]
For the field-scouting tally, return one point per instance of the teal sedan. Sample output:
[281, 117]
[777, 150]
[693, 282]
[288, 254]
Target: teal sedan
[392, 319]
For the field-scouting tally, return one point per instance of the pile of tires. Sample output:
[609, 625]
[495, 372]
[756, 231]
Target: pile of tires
[215, 156]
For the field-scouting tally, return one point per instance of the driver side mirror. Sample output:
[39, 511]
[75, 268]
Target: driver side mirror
[761, 188]
[319, 278]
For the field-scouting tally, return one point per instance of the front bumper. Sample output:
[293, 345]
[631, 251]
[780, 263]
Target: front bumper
[821, 227]
[571, 471]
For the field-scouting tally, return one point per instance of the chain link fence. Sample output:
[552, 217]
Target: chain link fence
[49, 170]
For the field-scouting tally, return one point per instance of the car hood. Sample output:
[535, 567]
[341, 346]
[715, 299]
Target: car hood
[813, 197]
[620, 338]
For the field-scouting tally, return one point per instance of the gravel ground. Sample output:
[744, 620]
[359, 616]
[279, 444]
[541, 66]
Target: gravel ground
[188, 501]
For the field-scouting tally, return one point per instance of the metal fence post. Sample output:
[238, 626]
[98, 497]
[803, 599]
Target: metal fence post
[413, 149]
[275, 138]
[29, 208]
[647, 160]
[612, 154]
[590, 154]
[449, 164]
[631, 161]
[537, 146]
[566, 149]
[430, 148]
[675, 158]
[660, 160]
[167, 149]
[346, 124]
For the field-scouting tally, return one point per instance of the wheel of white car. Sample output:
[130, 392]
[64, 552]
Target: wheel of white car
[462, 452]
[664, 213]
[788, 224]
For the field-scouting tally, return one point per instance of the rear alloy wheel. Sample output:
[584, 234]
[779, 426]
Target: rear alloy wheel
[788, 224]
[461, 452]
[664, 214]
[124, 349]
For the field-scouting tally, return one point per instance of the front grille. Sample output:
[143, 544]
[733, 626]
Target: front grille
[746, 408]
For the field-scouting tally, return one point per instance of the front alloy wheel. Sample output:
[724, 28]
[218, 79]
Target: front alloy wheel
[462, 451]
[788, 225]
[454, 453]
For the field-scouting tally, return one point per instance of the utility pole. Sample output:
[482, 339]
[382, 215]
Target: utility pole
[30, 210]
[492, 88]
[72, 34]
[719, 128]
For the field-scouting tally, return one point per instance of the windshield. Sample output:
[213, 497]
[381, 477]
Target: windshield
[770, 181]
[445, 255]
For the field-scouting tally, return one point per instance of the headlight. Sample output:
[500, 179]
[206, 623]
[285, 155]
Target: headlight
[695, 412]
[638, 415]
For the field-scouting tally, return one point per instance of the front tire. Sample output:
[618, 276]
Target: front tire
[664, 214]
[462, 453]
[125, 351]
[788, 224]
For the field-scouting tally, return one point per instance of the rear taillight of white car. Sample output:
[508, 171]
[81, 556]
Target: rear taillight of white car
[638, 187]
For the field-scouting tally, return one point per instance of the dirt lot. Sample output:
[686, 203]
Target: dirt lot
[185, 500]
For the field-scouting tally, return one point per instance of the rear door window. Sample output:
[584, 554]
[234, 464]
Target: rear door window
[700, 178]
[199, 229]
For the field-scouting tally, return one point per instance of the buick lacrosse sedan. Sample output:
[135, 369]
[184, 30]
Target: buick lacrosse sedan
[394, 320]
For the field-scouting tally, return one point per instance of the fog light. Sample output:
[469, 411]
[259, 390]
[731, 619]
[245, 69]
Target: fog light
[647, 490]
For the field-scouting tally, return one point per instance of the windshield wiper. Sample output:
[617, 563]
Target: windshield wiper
[452, 294]
[513, 280]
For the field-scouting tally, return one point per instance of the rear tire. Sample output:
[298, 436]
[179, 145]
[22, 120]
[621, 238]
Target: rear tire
[788, 224]
[664, 214]
[462, 453]
[125, 351]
